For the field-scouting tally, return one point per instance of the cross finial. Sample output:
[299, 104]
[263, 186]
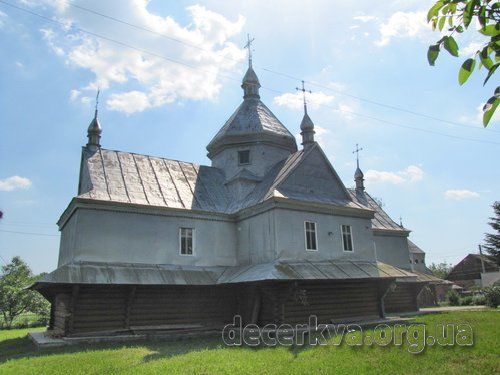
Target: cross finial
[357, 154]
[303, 89]
[97, 101]
[400, 221]
[249, 47]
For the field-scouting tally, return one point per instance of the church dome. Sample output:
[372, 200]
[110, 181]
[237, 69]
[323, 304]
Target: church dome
[252, 122]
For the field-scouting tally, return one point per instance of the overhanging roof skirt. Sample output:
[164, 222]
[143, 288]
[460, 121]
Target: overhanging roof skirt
[148, 274]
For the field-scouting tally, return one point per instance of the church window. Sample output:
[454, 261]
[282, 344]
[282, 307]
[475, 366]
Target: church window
[310, 233]
[416, 260]
[347, 237]
[244, 157]
[186, 241]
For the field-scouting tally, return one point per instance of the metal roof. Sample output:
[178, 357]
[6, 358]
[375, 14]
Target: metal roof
[125, 177]
[414, 248]
[150, 274]
[141, 179]
[381, 220]
[270, 186]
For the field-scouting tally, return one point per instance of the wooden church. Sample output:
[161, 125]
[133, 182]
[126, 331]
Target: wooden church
[268, 231]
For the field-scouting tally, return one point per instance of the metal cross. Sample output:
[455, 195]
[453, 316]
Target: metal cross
[97, 99]
[303, 89]
[357, 154]
[249, 47]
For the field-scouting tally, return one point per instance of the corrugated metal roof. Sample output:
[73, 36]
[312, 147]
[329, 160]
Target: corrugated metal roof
[414, 248]
[148, 274]
[140, 179]
[381, 219]
[270, 186]
[117, 176]
[253, 118]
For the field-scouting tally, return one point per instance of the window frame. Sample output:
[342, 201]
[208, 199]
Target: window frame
[192, 240]
[342, 236]
[239, 159]
[315, 235]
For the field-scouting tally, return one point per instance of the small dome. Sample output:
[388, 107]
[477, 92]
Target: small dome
[251, 77]
[306, 123]
[94, 126]
[358, 174]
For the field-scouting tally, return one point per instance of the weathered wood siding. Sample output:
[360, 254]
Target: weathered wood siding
[329, 301]
[403, 298]
[109, 308]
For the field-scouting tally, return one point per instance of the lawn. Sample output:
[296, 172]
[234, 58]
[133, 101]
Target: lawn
[18, 356]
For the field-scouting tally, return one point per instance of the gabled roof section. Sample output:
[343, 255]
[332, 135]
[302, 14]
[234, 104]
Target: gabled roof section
[414, 248]
[252, 122]
[382, 220]
[307, 176]
[117, 176]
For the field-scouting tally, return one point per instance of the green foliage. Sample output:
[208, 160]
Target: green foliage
[441, 270]
[466, 301]
[458, 15]
[453, 298]
[492, 295]
[479, 300]
[492, 240]
[15, 299]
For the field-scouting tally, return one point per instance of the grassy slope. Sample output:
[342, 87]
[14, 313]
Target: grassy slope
[18, 356]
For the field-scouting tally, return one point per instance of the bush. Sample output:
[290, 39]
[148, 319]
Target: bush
[492, 296]
[479, 299]
[453, 298]
[466, 301]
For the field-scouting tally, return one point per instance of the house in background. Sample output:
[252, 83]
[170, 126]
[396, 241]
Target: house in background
[268, 231]
[467, 273]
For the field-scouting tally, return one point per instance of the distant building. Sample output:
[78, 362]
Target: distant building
[268, 231]
[467, 273]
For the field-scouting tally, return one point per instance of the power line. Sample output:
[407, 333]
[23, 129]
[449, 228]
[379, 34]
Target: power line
[30, 233]
[339, 92]
[381, 104]
[235, 79]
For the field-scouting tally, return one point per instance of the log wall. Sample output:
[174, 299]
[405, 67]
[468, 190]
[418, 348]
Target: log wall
[93, 308]
[403, 298]
[330, 301]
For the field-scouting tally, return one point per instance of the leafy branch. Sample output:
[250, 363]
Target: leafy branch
[457, 16]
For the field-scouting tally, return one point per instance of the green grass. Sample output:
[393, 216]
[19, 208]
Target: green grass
[18, 356]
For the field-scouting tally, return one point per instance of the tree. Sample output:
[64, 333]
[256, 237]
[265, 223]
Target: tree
[492, 240]
[456, 16]
[441, 270]
[15, 299]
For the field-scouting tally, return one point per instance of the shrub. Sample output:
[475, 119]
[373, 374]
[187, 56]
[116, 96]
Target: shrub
[466, 301]
[453, 298]
[492, 296]
[479, 299]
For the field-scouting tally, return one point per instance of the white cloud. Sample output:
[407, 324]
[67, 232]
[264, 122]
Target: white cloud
[470, 49]
[364, 18]
[14, 182]
[296, 101]
[130, 102]
[2, 18]
[74, 94]
[460, 194]
[410, 174]
[135, 80]
[403, 24]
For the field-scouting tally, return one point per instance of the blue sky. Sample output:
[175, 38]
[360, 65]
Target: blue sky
[441, 185]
